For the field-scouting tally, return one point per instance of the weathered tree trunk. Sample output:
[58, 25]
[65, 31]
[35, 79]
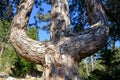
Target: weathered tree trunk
[60, 24]
[60, 66]
[59, 56]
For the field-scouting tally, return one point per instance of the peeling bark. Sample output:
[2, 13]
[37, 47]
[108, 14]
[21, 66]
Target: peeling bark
[60, 24]
[60, 67]
[59, 56]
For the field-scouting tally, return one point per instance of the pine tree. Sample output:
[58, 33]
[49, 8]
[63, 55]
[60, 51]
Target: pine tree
[64, 46]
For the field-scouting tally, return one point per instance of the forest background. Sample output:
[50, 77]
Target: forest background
[105, 64]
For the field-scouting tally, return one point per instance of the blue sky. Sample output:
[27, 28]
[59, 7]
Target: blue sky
[43, 35]
[117, 44]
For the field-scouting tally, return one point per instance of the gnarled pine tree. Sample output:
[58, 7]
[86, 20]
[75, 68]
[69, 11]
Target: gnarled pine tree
[60, 56]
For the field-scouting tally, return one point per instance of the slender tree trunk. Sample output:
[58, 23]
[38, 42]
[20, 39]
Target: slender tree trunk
[92, 62]
[2, 48]
[1, 51]
[87, 70]
[59, 56]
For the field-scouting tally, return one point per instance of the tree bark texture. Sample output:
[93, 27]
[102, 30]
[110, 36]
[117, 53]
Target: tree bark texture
[95, 12]
[59, 56]
[60, 24]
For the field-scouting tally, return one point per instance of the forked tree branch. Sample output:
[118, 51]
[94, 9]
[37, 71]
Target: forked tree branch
[78, 46]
